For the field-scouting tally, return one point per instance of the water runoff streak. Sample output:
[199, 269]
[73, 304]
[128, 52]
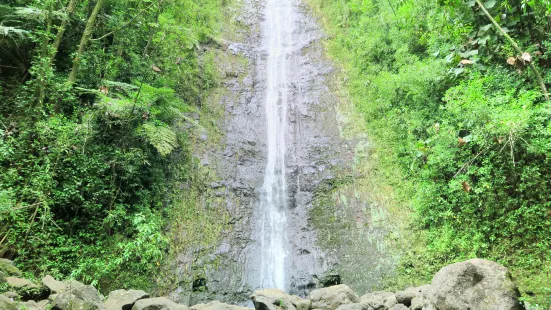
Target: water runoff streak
[278, 38]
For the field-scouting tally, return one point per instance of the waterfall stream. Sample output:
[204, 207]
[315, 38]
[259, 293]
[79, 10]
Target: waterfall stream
[278, 37]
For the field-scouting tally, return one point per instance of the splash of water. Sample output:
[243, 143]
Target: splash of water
[278, 34]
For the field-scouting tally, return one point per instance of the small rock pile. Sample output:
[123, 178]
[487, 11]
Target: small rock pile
[476, 284]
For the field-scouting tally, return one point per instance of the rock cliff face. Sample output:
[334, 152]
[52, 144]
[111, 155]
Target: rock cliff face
[313, 157]
[476, 284]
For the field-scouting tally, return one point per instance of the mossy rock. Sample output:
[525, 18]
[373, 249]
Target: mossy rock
[7, 269]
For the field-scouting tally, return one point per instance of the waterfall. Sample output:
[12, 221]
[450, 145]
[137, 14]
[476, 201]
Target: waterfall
[278, 37]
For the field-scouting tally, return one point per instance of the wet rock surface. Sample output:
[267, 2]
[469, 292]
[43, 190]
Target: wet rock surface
[313, 155]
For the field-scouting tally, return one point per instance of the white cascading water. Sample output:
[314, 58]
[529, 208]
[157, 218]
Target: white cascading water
[278, 37]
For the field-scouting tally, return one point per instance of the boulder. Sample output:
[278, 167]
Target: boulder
[78, 297]
[11, 295]
[123, 299]
[159, 303]
[379, 300]
[330, 298]
[26, 289]
[417, 303]
[399, 307]
[474, 284]
[406, 296]
[274, 299]
[7, 268]
[6, 303]
[216, 305]
[53, 285]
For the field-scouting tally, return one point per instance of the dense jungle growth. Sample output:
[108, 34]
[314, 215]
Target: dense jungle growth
[94, 135]
[460, 123]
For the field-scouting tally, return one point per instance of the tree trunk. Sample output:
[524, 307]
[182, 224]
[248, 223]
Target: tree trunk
[85, 38]
[62, 28]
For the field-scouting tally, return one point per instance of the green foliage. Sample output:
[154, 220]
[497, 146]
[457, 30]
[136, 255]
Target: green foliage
[468, 133]
[89, 172]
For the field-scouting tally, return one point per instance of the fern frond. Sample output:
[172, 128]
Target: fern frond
[161, 137]
[113, 107]
[6, 31]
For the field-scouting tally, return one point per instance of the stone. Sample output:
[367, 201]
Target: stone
[19, 283]
[330, 298]
[159, 303]
[124, 299]
[7, 267]
[6, 303]
[216, 305]
[406, 296]
[274, 299]
[417, 303]
[379, 300]
[26, 289]
[79, 297]
[399, 307]
[53, 285]
[474, 284]
[11, 295]
[33, 305]
[357, 306]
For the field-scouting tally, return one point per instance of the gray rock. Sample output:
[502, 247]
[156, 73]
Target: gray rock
[20, 283]
[11, 295]
[399, 307]
[123, 299]
[78, 297]
[216, 305]
[379, 300]
[406, 296]
[474, 284]
[274, 299]
[358, 306]
[6, 303]
[53, 285]
[26, 289]
[159, 303]
[7, 268]
[417, 303]
[33, 305]
[330, 298]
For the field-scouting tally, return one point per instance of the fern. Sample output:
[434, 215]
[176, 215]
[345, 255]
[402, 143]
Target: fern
[161, 137]
[6, 31]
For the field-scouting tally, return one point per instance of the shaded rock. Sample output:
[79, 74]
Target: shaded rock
[274, 299]
[79, 297]
[123, 299]
[417, 303]
[379, 300]
[399, 307]
[332, 297]
[159, 303]
[474, 284]
[53, 285]
[6, 303]
[406, 296]
[216, 305]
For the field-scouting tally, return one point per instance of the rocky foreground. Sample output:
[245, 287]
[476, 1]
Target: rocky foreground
[475, 284]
